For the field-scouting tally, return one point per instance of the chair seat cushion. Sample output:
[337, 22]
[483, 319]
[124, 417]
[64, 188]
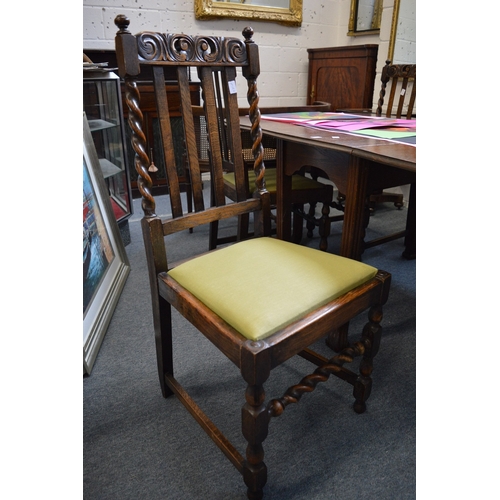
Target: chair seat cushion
[298, 181]
[261, 285]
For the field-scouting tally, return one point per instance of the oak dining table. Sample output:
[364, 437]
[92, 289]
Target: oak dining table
[358, 165]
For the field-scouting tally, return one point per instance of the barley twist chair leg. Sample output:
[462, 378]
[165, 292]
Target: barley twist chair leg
[371, 337]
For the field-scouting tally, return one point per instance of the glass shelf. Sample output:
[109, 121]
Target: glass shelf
[96, 125]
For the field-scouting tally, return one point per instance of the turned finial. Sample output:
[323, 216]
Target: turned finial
[248, 34]
[122, 22]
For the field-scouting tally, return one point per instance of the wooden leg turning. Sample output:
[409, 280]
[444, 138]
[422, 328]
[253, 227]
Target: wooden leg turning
[337, 340]
[255, 423]
[310, 222]
[255, 369]
[324, 227]
[371, 338]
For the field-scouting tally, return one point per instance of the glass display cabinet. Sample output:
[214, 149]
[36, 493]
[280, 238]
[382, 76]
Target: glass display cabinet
[103, 106]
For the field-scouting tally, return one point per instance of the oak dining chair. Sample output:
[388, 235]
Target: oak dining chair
[260, 301]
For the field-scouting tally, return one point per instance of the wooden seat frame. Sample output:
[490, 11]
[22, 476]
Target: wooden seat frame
[220, 56]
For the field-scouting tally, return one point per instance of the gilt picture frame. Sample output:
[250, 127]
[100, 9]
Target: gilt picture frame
[105, 262]
[287, 12]
[365, 17]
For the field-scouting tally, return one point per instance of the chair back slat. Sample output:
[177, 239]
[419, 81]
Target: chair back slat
[219, 93]
[191, 142]
[401, 102]
[223, 130]
[167, 140]
[413, 96]
[233, 133]
[215, 141]
[402, 96]
[390, 103]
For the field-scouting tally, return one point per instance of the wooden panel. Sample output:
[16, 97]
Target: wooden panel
[342, 76]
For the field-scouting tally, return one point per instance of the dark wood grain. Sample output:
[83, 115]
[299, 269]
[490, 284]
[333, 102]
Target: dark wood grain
[342, 76]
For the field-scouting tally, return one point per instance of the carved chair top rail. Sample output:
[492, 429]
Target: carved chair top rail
[398, 71]
[181, 49]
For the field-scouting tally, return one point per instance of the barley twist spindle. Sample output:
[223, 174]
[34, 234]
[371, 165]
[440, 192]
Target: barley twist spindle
[253, 100]
[277, 406]
[141, 160]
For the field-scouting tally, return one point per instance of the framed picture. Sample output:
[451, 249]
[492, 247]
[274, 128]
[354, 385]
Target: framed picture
[105, 263]
[287, 12]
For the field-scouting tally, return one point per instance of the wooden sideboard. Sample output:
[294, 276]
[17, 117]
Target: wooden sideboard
[151, 124]
[342, 76]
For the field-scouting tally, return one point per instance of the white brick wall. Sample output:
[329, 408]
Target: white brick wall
[283, 49]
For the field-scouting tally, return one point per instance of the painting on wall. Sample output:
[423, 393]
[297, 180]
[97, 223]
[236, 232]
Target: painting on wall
[105, 263]
[287, 12]
[97, 250]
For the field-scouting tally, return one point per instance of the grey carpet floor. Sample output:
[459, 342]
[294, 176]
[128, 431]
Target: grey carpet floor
[138, 445]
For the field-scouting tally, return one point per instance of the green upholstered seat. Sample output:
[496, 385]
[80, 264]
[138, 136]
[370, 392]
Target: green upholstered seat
[298, 181]
[302, 280]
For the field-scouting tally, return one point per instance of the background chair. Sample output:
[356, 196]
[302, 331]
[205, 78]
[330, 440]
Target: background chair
[401, 81]
[305, 190]
[259, 301]
[402, 92]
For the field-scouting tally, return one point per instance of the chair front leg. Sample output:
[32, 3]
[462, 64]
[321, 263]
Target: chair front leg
[255, 423]
[255, 416]
[372, 333]
[162, 315]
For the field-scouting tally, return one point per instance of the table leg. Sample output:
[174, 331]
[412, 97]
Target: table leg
[353, 230]
[410, 251]
[283, 195]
